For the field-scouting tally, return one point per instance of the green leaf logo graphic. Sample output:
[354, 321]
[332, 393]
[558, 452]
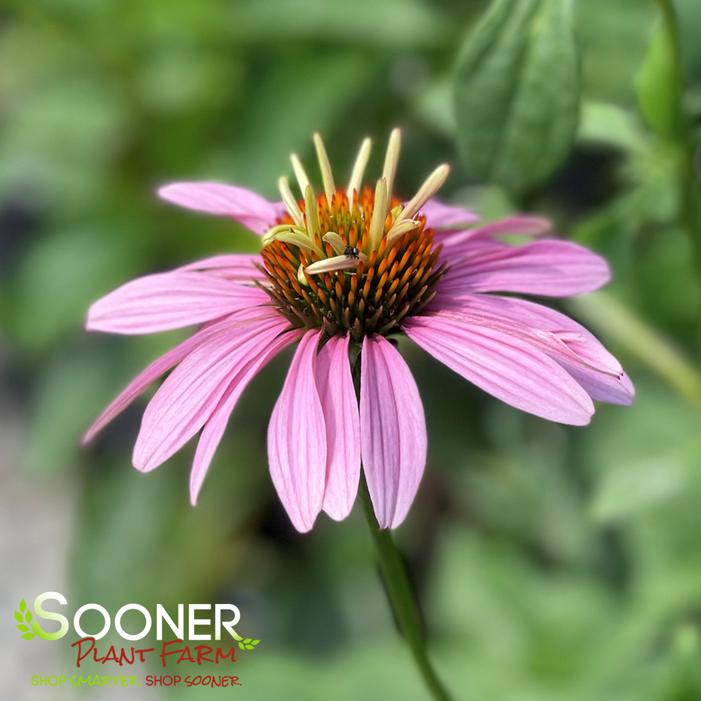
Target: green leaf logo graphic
[245, 643]
[248, 644]
[23, 616]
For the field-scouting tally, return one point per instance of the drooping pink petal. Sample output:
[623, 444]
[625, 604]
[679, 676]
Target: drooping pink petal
[246, 207]
[447, 217]
[269, 344]
[568, 342]
[550, 268]
[520, 225]
[239, 267]
[161, 365]
[340, 406]
[189, 395]
[166, 301]
[505, 366]
[297, 439]
[392, 431]
[603, 388]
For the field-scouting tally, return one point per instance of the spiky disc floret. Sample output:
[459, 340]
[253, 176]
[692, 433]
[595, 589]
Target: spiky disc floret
[375, 293]
[353, 260]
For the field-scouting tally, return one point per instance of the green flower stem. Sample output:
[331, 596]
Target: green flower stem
[401, 598]
[395, 577]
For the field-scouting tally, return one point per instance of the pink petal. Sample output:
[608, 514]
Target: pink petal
[603, 388]
[571, 345]
[187, 398]
[246, 207]
[549, 268]
[392, 431]
[270, 343]
[440, 215]
[167, 301]
[161, 365]
[520, 225]
[239, 267]
[297, 439]
[340, 405]
[504, 365]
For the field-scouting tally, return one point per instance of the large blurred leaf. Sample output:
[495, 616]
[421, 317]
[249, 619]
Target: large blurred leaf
[611, 125]
[517, 92]
[657, 87]
[62, 274]
[68, 391]
[637, 484]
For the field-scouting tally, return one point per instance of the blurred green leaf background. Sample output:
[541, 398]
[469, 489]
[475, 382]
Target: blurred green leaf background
[552, 563]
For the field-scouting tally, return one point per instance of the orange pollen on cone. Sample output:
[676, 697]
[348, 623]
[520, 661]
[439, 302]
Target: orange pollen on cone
[396, 280]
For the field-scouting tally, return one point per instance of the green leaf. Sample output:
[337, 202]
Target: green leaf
[19, 617]
[23, 605]
[28, 636]
[517, 93]
[631, 487]
[611, 125]
[56, 257]
[246, 641]
[28, 616]
[657, 87]
[22, 627]
[645, 459]
[72, 388]
[242, 646]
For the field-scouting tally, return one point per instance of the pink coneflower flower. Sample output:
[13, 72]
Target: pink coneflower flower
[339, 274]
